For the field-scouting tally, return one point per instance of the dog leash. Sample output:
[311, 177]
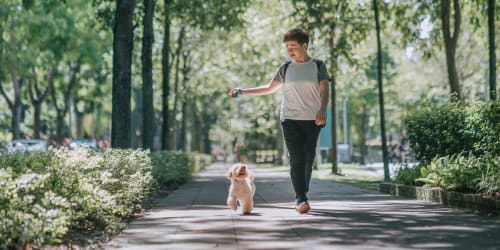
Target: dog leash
[236, 92]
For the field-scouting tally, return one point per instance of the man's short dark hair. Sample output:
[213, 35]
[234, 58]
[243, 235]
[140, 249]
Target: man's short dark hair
[296, 34]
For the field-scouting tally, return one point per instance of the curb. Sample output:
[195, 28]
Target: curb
[485, 205]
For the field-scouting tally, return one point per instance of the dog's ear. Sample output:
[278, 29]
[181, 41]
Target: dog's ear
[250, 175]
[229, 174]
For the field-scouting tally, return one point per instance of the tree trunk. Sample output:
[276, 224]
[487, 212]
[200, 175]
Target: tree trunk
[37, 100]
[333, 95]
[15, 105]
[17, 109]
[61, 111]
[363, 131]
[381, 94]
[196, 130]
[183, 96]
[178, 52]
[183, 134]
[205, 129]
[165, 135]
[491, 41]
[59, 128]
[148, 128]
[36, 120]
[79, 120]
[450, 42]
[122, 63]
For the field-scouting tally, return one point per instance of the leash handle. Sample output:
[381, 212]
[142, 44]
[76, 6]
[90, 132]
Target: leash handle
[236, 92]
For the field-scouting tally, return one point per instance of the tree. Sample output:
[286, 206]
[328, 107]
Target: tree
[147, 75]
[122, 62]
[444, 23]
[66, 88]
[381, 93]
[492, 56]
[210, 15]
[165, 84]
[37, 97]
[450, 43]
[178, 53]
[13, 17]
[346, 26]
[185, 72]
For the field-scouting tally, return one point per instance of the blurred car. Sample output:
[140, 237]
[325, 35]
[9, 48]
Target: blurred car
[25, 145]
[89, 143]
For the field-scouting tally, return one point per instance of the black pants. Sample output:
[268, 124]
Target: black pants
[300, 139]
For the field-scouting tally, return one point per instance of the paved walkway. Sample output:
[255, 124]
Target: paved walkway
[342, 217]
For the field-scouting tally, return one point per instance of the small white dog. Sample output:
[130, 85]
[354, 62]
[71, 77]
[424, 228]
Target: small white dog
[242, 188]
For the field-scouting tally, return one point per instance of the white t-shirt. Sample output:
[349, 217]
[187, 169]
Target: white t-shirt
[301, 96]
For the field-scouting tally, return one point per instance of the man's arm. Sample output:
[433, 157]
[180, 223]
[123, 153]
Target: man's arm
[324, 90]
[269, 88]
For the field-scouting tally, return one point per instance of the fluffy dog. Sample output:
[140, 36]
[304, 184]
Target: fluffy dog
[242, 188]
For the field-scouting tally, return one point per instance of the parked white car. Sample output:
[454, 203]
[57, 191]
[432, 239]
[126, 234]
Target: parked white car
[27, 145]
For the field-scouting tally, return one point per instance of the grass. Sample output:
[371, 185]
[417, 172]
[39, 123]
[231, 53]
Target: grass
[351, 174]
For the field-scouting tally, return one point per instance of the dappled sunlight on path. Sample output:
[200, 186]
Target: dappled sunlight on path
[342, 217]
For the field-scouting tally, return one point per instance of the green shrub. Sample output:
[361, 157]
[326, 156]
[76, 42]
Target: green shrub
[489, 181]
[407, 175]
[451, 129]
[463, 173]
[170, 168]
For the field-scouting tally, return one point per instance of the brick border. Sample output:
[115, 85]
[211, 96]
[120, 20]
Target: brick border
[483, 204]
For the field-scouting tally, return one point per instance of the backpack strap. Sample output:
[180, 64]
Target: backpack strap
[318, 65]
[285, 67]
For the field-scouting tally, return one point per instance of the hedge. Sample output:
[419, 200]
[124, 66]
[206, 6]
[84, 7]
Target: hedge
[450, 129]
[44, 196]
[172, 168]
[458, 148]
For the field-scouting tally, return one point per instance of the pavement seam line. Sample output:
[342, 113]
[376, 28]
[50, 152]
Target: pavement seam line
[235, 233]
[176, 230]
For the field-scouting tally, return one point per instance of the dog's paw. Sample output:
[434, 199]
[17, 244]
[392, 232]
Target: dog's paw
[232, 204]
[233, 207]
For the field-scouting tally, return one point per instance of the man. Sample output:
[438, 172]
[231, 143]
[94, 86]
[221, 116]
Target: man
[303, 110]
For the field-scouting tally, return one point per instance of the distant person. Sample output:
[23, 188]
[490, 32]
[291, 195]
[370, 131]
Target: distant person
[402, 146]
[305, 98]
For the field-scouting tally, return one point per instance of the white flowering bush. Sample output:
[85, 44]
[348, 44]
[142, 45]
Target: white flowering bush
[128, 176]
[43, 196]
[29, 212]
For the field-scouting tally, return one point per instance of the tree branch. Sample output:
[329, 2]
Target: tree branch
[9, 102]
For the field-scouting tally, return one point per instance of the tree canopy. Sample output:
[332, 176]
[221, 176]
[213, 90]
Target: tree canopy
[57, 75]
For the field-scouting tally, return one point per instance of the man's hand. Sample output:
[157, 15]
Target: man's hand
[235, 92]
[321, 118]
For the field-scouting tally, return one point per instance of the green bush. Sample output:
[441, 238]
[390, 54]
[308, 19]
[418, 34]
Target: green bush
[463, 173]
[407, 175]
[451, 129]
[170, 168]
[45, 195]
